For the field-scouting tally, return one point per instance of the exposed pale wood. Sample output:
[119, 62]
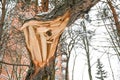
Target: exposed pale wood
[48, 28]
[42, 38]
[57, 33]
[44, 46]
[35, 47]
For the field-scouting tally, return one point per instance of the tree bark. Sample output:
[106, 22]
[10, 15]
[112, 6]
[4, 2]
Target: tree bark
[115, 16]
[45, 73]
[76, 9]
[45, 4]
[2, 17]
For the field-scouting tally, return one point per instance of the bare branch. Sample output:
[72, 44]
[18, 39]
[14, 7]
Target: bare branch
[14, 64]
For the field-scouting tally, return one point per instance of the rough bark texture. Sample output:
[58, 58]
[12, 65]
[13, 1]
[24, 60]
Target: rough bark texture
[74, 9]
[1, 26]
[45, 73]
[77, 9]
[2, 18]
[45, 4]
[13, 49]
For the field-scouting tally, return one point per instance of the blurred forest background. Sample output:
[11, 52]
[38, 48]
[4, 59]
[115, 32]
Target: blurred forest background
[89, 49]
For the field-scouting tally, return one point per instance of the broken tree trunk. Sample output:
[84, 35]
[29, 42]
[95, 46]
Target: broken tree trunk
[42, 34]
[42, 38]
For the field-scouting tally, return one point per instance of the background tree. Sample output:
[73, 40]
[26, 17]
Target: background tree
[3, 2]
[101, 73]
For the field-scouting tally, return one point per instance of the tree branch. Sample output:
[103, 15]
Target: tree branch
[76, 8]
[14, 64]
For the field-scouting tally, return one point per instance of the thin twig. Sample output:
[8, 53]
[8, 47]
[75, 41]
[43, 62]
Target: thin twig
[14, 64]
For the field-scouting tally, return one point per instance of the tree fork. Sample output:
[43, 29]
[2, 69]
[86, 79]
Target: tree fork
[54, 22]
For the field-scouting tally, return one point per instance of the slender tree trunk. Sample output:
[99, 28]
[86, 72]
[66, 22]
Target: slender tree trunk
[115, 16]
[2, 17]
[67, 72]
[45, 4]
[1, 26]
[74, 66]
[110, 66]
[117, 24]
[86, 45]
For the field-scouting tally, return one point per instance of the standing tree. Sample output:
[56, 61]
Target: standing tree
[43, 32]
[101, 74]
[3, 2]
[87, 49]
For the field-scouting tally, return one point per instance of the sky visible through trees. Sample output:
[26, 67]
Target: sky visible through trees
[100, 44]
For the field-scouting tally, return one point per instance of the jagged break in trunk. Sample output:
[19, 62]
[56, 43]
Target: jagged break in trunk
[42, 35]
